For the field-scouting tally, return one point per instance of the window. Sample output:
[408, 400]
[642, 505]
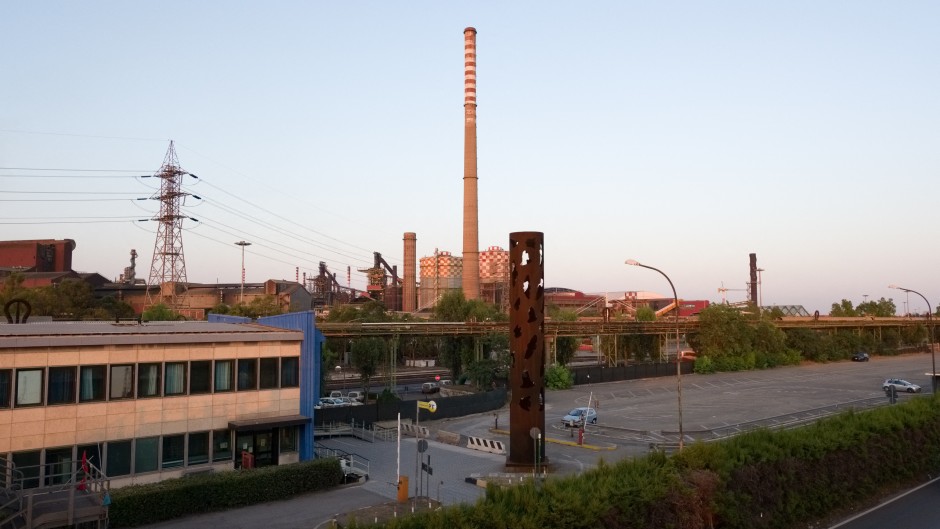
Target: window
[175, 379]
[200, 377]
[198, 448]
[91, 383]
[119, 458]
[145, 454]
[288, 439]
[222, 445]
[61, 385]
[28, 387]
[173, 446]
[92, 454]
[6, 385]
[122, 382]
[28, 464]
[59, 466]
[223, 375]
[247, 374]
[268, 373]
[290, 370]
[148, 380]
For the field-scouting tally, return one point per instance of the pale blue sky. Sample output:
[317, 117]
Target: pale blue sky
[685, 135]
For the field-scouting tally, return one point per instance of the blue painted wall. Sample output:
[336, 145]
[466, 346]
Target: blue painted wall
[310, 350]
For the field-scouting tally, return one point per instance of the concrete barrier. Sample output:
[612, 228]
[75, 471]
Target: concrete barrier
[486, 445]
[412, 430]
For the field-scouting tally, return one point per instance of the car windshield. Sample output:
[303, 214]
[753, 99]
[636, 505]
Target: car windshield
[576, 412]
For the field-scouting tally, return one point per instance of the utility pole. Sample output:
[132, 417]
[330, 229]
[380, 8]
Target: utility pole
[168, 266]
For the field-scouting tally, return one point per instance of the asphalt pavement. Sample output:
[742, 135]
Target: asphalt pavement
[633, 416]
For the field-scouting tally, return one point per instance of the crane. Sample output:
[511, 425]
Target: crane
[722, 291]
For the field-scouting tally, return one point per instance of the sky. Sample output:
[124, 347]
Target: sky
[685, 135]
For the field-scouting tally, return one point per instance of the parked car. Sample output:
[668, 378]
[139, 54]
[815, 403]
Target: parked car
[446, 382]
[430, 387]
[860, 357]
[580, 416]
[358, 396]
[348, 401]
[900, 385]
[328, 402]
[335, 394]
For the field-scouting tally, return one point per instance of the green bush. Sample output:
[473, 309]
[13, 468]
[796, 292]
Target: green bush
[558, 377]
[140, 504]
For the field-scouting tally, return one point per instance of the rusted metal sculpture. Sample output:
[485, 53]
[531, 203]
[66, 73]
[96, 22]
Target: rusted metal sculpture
[527, 349]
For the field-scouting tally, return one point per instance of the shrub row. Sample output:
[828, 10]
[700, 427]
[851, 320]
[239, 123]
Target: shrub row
[763, 479]
[141, 504]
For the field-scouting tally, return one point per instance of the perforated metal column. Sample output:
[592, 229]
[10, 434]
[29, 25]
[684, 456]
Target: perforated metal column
[527, 347]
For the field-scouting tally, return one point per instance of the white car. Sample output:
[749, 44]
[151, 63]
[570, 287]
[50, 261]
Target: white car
[328, 402]
[348, 401]
[900, 385]
[579, 416]
[357, 396]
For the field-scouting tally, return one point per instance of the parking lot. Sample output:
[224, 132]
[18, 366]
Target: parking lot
[631, 416]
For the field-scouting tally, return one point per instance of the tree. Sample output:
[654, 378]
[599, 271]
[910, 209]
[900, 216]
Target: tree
[459, 351]
[367, 355]
[565, 346]
[883, 308]
[844, 309]
[160, 312]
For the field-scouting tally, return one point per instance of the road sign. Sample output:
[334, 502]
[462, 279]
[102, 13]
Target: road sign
[431, 406]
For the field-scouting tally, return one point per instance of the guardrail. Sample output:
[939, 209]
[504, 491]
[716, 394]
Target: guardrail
[350, 463]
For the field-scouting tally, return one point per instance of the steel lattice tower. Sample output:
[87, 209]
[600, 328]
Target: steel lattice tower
[168, 270]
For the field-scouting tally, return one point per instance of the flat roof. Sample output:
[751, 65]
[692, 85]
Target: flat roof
[82, 333]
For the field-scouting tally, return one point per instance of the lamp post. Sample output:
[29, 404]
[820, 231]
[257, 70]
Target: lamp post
[241, 297]
[342, 375]
[933, 359]
[675, 299]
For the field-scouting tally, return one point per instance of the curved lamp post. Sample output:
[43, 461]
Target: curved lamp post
[933, 360]
[675, 299]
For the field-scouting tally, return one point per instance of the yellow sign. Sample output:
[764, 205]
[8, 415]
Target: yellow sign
[431, 406]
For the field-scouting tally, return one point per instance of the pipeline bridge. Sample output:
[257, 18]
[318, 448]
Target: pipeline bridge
[600, 328]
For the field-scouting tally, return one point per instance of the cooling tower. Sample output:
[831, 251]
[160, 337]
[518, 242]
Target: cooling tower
[471, 237]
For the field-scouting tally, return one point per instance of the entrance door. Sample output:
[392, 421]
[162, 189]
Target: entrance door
[261, 445]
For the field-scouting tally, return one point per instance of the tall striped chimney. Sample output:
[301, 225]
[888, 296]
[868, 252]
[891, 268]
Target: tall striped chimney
[471, 236]
[409, 299]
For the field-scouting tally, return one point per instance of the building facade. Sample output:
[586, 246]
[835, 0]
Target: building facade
[146, 402]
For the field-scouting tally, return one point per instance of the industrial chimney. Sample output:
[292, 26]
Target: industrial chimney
[471, 237]
[408, 298]
[753, 284]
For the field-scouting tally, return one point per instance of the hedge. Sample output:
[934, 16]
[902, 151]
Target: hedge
[142, 504]
[763, 479]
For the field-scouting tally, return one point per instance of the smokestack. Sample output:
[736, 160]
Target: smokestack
[753, 283]
[471, 237]
[408, 298]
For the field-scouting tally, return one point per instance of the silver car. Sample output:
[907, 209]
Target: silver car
[580, 416]
[900, 385]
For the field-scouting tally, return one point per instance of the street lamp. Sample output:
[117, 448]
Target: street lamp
[675, 299]
[343, 376]
[933, 359]
[241, 297]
